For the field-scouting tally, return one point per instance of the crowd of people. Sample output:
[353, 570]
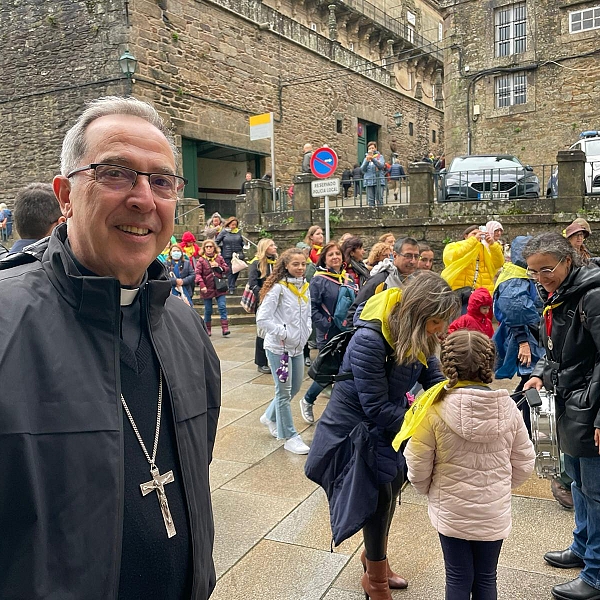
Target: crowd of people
[120, 316]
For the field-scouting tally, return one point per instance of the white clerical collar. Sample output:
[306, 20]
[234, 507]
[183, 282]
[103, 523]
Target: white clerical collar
[128, 296]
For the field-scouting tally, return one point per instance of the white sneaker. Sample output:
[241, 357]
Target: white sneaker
[296, 445]
[306, 410]
[270, 424]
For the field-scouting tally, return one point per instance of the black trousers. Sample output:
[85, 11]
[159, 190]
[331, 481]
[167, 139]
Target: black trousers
[376, 529]
[260, 356]
[470, 568]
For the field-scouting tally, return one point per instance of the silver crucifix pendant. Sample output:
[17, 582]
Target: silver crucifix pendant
[158, 484]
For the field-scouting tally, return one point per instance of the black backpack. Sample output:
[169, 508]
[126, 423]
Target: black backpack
[324, 369]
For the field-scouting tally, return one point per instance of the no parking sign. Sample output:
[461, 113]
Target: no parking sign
[323, 163]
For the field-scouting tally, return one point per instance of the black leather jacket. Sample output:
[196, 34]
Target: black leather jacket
[61, 424]
[572, 365]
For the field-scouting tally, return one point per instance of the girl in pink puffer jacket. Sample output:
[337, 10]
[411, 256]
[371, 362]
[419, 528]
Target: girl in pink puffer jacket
[467, 454]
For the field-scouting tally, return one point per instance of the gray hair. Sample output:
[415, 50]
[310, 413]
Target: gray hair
[551, 243]
[74, 145]
[405, 241]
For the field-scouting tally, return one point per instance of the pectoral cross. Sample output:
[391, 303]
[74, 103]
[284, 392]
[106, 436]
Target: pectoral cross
[158, 484]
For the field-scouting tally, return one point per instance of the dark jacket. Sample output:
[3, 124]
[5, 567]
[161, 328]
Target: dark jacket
[205, 276]
[186, 272]
[20, 244]
[572, 367]
[306, 162]
[61, 425]
[324, 292]
[352, 454]
[255, 281]
[230, 242]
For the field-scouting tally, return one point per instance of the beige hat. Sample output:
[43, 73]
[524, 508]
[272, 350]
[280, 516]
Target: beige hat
[576, 226]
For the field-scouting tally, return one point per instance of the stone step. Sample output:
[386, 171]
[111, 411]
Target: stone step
[234, 318]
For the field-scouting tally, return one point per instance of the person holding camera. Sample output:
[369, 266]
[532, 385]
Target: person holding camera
[373, 169]
[473, 262]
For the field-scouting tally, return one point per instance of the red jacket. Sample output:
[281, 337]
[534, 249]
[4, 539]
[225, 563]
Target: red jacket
[474, 319]
[205, 276]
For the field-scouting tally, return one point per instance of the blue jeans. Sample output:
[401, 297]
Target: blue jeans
[221, 304]
[470, 568]
[374, 194]
[313, 391]
[585, 473]
[231, 276]
[280, 409]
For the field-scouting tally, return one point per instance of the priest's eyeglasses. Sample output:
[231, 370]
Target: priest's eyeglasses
[122, 179]
[542, 272]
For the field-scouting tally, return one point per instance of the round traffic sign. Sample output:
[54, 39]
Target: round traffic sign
[323, 163]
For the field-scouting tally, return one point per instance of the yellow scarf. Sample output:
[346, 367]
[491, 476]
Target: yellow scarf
[510, 271]
[235, 230]
[550, 307]
[341, 277]
[416, 413]
[301, 294]
[317, 248]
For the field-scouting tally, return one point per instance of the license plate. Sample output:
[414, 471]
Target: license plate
[493, 196]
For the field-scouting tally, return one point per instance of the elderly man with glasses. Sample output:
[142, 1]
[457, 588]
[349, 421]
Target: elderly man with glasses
[389, 273]
[105, 443]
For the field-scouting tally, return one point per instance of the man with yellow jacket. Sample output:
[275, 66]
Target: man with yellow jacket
[473, 262]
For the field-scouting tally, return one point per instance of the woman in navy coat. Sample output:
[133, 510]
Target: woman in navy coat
[351, 456]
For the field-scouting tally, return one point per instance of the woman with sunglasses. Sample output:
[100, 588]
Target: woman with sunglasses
[211, 278]
[570, 332]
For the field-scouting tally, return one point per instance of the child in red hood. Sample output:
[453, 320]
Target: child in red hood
[478, 314]
[189, 246]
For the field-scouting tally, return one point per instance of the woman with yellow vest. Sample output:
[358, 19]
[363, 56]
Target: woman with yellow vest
[473, 262]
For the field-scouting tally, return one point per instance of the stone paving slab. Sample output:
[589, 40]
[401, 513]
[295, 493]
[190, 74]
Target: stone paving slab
[243, 445]
[241, 521]
[277, 571]
[221, 471]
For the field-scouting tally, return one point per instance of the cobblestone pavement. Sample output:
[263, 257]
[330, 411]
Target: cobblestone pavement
[272, 534]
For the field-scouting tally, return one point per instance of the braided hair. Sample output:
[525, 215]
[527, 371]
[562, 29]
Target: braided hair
[280, 271]
[468, 355]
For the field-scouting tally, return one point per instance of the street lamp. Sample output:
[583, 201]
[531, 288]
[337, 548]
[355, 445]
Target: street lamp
[397, 116]
[128, 63]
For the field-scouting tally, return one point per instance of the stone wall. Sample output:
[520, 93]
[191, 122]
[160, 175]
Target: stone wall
[562, 98]
[54, 56]
[216, 69]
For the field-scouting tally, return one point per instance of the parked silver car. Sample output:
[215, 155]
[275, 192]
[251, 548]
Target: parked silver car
[487, 177]
[589, 142]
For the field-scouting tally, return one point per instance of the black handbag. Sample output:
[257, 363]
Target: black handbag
[221, 284]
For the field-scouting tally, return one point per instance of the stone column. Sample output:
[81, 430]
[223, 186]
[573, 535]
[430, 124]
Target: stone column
[571, 181]
[258, 200]
[303, 201]
[421, 186]
[333, 32]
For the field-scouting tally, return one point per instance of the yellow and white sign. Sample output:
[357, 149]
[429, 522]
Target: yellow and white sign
[261, 126]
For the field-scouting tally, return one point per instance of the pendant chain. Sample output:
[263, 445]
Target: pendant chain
[152, 459]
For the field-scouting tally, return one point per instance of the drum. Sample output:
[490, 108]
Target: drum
[545, 440]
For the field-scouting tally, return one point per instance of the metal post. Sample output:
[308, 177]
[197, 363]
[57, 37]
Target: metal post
[327, 219]
[273, 179]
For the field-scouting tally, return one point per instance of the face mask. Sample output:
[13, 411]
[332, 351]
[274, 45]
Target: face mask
[176, 255]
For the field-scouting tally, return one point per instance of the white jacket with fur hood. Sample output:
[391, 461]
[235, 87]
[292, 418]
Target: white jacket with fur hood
[470, 450]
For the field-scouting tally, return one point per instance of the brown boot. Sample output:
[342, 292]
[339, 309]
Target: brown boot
[225, 327]
[375, 581]
[395, 581]
[208, 327]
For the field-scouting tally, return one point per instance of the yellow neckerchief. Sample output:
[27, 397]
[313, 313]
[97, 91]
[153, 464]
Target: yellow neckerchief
[212, 260]
[510, 271]
[300, 293]
[341, 277]
[270, 261]
[455, 269]
[235, 230]
[378, 308]
[317, 248]
[550, 307]
[416, 413]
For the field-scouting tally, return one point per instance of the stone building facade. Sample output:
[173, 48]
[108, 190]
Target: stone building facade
[208, 65]
[522, 76]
